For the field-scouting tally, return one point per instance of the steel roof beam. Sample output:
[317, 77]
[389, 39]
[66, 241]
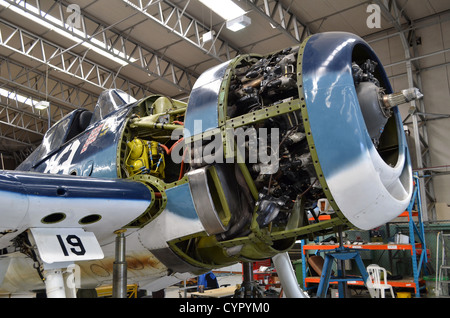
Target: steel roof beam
[44, 86]
[20, 120]
[186, 27]
[103, 37]
[282, 18]
[14, 111]
[57, 58]
[17, 137]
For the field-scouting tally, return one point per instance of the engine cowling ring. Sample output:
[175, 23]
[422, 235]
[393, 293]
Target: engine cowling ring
[335, 120]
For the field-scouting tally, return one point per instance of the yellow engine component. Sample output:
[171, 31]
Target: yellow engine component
[145, 158]
[138, 157]
[158, 163]
[154, 147]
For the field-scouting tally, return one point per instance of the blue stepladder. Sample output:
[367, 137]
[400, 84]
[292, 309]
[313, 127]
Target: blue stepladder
[417, 230]
[341, 254]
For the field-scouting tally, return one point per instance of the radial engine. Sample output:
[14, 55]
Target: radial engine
[266, 146]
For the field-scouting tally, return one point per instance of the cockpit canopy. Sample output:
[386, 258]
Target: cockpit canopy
[78, 121]
[110, 101]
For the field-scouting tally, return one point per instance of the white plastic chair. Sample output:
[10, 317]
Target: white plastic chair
[374, 272]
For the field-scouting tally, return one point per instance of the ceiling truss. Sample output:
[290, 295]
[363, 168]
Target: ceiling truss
[62, 60]
[282, 18]
[104, 38]
[188, 28]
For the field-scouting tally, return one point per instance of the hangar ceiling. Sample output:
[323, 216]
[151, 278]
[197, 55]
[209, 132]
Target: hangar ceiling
[153, 46]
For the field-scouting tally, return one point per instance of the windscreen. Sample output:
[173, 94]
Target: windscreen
[110, 101]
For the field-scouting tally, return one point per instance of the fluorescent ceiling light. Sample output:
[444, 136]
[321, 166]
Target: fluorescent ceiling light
[66, 33]
[239, 23]
[20, 98]
[208, 36]
[42, 105]
[227, 9]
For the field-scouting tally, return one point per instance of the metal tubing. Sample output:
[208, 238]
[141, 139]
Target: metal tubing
[287, 277]
[120, 268]
[249, 288]
[70, 283]
[247, 271]
[343, 288]
[54, 283]
[151, 125]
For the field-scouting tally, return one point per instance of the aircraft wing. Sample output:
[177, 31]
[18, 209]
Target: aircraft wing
[36, 200]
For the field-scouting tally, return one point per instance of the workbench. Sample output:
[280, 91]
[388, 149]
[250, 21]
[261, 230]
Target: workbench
[223, 292]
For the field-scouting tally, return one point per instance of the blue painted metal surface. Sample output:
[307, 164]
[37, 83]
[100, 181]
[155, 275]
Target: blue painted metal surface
[46, 185]
[179, 202]
[202, 111]
[331, 99]
[92, 153]
[102, 206]
[347, 156]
